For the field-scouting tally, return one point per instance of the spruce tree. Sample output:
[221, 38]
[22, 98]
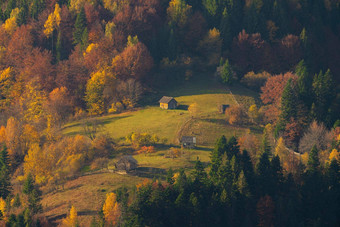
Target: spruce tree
[266, 148]
[232, 148]
[264, 175]
[304, 83]
[288, 107]
[5, 180]
[36, 8]
[227, 73]
[79, 27]
[216, 154]
[225, 28]
[324, 94]
[313, 160]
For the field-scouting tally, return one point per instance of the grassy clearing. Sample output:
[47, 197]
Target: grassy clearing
[87, 193]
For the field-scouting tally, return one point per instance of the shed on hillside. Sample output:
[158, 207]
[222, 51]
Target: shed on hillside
[126, 163]
[167, 102]
[188, 141]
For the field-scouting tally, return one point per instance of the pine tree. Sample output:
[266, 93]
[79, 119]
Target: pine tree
[36, 8]
[227, 73]
[225, 28]
[170, 176]
[199, 173]
[28, 184]
[79, 27]
[5, 180]
[232, 148]
[288, 107]
[264, 175]
[304, 83]
[216, 154]
[313, 160]
[266, 148]
[324, 94]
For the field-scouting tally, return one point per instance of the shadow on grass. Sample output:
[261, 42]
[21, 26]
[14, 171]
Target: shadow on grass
[150, 172]
[215, 121]
[112, 119]
[182, 107]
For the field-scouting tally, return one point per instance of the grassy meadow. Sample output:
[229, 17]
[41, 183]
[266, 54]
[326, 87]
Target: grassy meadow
[87, 192]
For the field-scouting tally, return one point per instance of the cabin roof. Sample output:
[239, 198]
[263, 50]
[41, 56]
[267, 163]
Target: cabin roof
[188, 139]
[166, 99]
[127, 158]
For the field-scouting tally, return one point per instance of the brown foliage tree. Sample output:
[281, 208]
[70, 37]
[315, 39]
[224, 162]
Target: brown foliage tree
[139, 17]
[134, 62]
[236, 115]
[58, 105]
[271, 94]
[292, 134]
[316, 134]
[289, 51]
[249, 52]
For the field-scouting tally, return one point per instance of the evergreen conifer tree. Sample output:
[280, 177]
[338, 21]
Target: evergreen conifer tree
[5, 180]
[79, 27]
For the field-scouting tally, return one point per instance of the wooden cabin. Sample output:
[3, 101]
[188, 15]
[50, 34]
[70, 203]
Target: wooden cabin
[126, 164]
[167, 102]
[188, 141]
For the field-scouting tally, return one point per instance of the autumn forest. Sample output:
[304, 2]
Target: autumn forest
[84, 142]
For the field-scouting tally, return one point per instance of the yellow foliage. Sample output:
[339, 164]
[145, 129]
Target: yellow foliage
[114, 5]
[94, 92]
[77, 5]
[334, 155]
[132, 40]
[6, 87]
[109, 29]
[72, 219]
[143, 184]
[253, 112]
[33, 101]
[2, 134]
[53, 21]
[304, 158]
[10, 25]
[111, 209]
[214, 33]
[178, 12]
[90, 48]
[3, 207]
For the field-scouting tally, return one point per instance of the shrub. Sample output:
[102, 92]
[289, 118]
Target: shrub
[255, 81]
[236, 115]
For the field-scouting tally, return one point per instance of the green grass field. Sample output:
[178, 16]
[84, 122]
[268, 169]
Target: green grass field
[87, 193]
[171, 124]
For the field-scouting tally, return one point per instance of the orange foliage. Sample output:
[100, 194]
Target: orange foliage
[272, 92]
[135, 61]
[146, 150]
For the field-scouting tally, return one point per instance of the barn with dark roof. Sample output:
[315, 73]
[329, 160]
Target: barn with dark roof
[167, 102]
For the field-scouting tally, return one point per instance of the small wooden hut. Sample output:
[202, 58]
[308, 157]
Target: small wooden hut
[167, 102]
[126, 164]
